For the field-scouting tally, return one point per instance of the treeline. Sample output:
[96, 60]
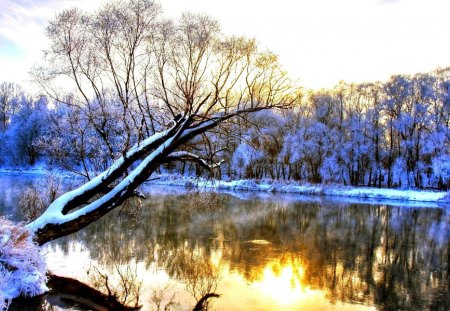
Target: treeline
[392, 134]
[23, 122]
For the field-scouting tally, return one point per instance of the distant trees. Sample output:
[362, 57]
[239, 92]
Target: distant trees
[23, 123]
[393, 134]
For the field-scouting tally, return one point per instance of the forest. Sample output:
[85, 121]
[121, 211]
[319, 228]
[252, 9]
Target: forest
[390, 134]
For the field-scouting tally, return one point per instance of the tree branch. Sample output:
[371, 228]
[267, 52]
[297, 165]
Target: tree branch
[184, 156]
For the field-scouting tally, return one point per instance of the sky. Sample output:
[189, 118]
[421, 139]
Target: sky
[319, 42]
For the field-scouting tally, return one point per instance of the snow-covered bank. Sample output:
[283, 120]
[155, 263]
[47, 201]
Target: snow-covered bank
[35, 170]
[306, 189]
[22, 268]
[19, 171]
[271, 186]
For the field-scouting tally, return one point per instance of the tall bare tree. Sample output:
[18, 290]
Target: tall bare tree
[174, 80]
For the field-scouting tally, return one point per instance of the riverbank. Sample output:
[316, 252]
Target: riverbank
[271, 186]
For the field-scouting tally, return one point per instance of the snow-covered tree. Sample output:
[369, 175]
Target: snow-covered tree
[25, 127]
[184, 78]
[441, 170]
[244, 159]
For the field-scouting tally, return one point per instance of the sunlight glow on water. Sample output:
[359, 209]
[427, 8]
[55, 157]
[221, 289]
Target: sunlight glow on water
[283, 284]
[263, 253]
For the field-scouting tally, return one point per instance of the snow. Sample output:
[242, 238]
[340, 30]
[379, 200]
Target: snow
[371, 194]
[22, 268]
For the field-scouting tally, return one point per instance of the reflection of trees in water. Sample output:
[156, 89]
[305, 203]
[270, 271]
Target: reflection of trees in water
[164, 298]
[120, 281]
[70, 294]
[118, 240]
[369, 254]
[395, 258]
[192, 267]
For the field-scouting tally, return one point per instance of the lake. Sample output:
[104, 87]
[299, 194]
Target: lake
[257, 251]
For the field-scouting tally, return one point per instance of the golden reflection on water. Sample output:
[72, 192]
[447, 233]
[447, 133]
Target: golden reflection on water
[275, 285]
[282, 283]
[312, 257]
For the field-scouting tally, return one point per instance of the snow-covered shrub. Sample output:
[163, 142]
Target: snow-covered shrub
[441, 168]
[22, 268]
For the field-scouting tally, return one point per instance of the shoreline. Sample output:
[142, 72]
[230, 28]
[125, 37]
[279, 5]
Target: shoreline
[272, 186]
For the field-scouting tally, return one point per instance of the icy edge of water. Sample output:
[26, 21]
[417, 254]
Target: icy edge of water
[270, 186]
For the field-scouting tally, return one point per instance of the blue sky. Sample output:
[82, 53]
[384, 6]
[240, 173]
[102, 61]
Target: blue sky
[10, 50]
[319, 41]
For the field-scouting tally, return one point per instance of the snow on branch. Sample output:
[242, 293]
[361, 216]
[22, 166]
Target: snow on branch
[188, 156]
[71, 199]
[55, 222]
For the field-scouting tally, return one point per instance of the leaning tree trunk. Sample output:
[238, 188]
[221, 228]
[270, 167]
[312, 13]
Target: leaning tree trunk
[78, 208]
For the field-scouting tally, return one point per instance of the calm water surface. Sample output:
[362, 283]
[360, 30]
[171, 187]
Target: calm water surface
[260, 252]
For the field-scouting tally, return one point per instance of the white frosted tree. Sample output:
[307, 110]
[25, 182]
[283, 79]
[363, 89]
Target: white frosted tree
[184, 78]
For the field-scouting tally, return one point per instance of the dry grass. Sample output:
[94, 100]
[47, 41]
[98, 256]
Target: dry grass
[12, 236]
[36, 198]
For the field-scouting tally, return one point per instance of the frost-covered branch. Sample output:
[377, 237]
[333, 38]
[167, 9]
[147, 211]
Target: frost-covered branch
[191, 157]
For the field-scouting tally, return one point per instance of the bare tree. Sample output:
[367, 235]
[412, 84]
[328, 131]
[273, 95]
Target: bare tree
[174, 81]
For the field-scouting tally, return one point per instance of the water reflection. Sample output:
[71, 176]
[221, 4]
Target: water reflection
[273, 254]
